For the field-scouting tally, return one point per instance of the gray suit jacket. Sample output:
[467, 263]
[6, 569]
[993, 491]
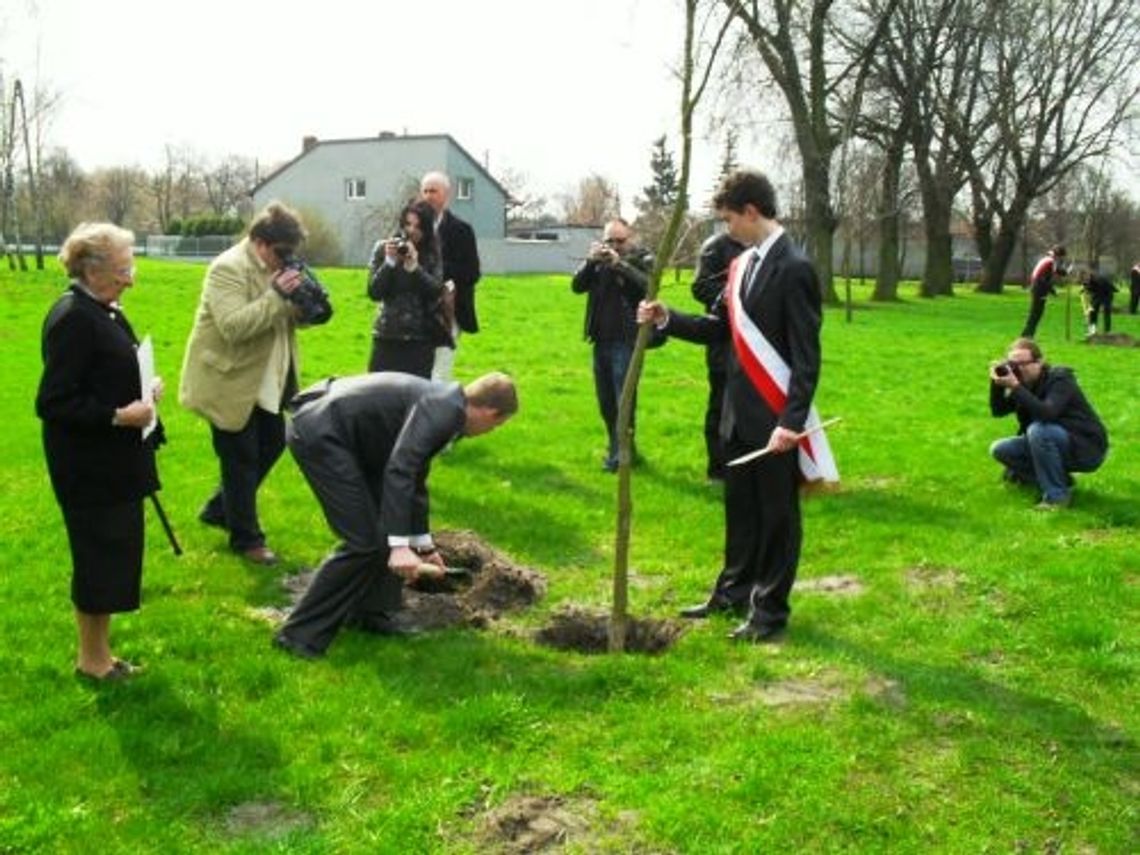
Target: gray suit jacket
[392, 425]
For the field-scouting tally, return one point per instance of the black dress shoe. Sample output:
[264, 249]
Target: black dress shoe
[710, 607]
[296, 648]
[757, 633]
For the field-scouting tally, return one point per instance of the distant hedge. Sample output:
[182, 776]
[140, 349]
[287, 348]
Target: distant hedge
[205, 224]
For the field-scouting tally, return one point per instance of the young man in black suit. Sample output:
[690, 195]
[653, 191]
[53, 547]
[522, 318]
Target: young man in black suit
[460, 256]
[771, 314]
[365, 445]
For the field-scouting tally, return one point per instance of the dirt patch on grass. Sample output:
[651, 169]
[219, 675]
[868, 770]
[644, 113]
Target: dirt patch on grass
[784, 693]
[485, 585]
[1112, 339]
[885, 690]
[574, 628]
[836, 586]
[925, 577]
[526, 824]
[268, 820]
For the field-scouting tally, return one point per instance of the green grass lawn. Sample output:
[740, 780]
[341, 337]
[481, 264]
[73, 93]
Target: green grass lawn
[977, 694]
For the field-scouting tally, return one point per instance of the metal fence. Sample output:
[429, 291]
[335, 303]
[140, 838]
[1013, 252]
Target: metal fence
[176, 246]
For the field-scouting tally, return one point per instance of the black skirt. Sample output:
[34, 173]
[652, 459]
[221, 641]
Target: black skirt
[106, 556]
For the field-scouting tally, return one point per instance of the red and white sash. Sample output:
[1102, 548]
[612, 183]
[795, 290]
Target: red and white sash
[1044, 267]
[769, 375]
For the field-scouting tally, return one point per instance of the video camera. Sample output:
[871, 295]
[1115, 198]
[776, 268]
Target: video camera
[310, 297]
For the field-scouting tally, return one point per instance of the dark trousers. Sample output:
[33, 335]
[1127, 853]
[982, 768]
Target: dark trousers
[714, 445]
[611, 362]
[411, 357]
[1099, 303]
[354, 582]
[1133, 299]
[246, 457]
[763, 534]
[1036, 310]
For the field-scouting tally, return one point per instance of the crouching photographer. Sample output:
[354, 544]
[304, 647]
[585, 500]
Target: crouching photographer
[1059, 432]
[404, 277]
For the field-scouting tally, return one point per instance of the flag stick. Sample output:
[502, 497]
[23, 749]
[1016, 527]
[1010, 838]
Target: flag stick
[760, 452]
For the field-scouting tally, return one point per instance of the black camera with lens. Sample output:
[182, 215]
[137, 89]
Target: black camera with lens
[310, 297]
[1004, 369]
[400, 239]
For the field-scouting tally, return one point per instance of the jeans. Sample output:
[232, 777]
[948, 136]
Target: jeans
[1041, 456]
[611, 362]
[246, 456]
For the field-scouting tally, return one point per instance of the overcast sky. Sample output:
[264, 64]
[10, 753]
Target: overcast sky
[554, 90]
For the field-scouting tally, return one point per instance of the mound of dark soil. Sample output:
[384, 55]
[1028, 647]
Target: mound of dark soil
[586, 632]
[483, 585]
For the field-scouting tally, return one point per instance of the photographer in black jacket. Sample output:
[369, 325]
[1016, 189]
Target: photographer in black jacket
[614, 276]
[1059, 432]
[717, 253]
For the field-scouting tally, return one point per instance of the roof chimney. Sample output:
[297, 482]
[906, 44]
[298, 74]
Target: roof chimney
[308, 144]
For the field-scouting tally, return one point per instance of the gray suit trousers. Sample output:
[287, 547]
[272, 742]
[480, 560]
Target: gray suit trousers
[354, 582]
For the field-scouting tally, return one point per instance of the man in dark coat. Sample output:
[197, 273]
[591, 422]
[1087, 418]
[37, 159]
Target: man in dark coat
[1098, 290]
[1058, 430]
[772, 314]
[614, 278]
[709, 279]
[365, 445]
[460, 255]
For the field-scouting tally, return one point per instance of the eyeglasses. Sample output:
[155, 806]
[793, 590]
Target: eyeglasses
[1021, 362]
[614, 241]
[124, 272]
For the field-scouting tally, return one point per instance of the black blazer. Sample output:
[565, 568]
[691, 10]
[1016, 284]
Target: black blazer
[392, 424]
[785, 303]
[461, 265]
[90, 370]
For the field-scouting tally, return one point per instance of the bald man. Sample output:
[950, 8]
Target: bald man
[460, 266]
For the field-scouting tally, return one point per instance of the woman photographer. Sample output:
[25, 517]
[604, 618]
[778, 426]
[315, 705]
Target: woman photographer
[404, 277]
[93, 410]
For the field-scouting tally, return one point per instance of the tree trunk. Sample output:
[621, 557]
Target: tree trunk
[938, 275]
[887, 282]
[821, 222]
[994, 267]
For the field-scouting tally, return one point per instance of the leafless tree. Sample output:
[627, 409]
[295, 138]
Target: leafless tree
[64, 193]
[228, 183]
[118, 189]
[915, 61]
[1060, 76]
[595, 201]
[705, 30]
[798, 42]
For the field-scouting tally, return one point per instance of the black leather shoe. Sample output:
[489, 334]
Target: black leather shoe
[757, 633]
[710, 607]
[297, 648]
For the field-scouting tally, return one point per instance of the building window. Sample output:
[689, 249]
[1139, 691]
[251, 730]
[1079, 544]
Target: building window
[464, 188]
[354, 188]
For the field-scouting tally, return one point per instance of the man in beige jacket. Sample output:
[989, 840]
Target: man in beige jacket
[241, 365]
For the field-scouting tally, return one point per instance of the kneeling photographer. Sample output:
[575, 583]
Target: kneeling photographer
[1059, 432]
[404, 277]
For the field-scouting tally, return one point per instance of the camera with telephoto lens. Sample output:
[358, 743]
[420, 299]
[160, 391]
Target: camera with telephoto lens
[1004, 369]
[310, 297]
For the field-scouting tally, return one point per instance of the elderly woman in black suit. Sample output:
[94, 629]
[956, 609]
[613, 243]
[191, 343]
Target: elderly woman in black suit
[94, 410]
[405, 277]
